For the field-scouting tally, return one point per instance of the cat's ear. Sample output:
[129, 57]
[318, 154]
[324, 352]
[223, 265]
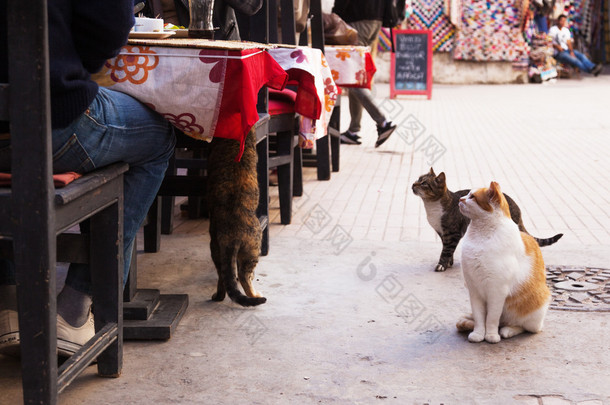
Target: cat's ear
[494, 193]
[431, 172]
[441, 178]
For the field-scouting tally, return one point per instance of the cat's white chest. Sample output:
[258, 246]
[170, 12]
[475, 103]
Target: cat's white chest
[434, 213]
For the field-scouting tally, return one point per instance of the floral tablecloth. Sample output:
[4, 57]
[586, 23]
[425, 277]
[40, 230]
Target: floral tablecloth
[351, 66]
[201, 88]
[316, 93]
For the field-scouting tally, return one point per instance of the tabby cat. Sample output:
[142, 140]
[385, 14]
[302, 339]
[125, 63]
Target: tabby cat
[503, 270]
[234, 227]
[444, 215]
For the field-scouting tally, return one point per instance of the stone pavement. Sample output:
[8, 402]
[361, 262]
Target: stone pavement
[355, 314]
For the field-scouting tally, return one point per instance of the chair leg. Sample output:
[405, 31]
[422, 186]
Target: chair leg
[335, 140]
[262, 150]
[284, 174]
[36, 296]
[167, 214]
[167, 202]
[152, 229]
[106, 265]
[323, 156]
[297, 176]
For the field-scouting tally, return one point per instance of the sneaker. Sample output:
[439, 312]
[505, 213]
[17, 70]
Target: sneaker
[9, 333]
[349, 139]
[70, 338]
[383, 133]
[597, 69]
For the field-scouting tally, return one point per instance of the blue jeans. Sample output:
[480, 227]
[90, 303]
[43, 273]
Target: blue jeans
[579, 60]
[115, 128]
[541, 22]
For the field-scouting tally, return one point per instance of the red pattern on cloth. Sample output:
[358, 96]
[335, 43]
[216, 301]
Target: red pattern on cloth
[59, 180]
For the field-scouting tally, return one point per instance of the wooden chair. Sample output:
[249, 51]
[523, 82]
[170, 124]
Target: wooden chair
[33, 213]
[285, 154]
[328, 148]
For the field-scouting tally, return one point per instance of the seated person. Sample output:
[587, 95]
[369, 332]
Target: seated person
[177, 12]
[564, 49]
[92, 127]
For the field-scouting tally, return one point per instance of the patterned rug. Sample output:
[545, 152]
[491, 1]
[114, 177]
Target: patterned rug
[491, 31]
[430, 15]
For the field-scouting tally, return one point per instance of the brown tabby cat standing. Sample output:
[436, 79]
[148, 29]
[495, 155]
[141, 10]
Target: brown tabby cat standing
[444, 216]
[503, 270]
[234, 227]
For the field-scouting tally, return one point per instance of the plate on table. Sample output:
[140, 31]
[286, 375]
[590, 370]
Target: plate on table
[180, 33]
[150, 35]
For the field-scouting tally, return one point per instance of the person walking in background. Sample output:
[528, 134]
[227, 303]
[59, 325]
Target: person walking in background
[366, 17]
[563, 46]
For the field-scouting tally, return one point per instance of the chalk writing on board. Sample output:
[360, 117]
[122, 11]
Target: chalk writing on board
[411, 71]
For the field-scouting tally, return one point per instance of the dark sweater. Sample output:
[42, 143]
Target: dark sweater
[358, 10]
[82, 35]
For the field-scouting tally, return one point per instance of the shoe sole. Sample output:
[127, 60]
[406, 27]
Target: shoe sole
[10, 344]
[347, 141]
[384, 137]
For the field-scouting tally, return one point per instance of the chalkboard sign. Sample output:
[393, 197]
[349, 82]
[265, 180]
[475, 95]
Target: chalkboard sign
[412, 63]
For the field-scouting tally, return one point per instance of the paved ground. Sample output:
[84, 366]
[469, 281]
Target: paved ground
[355, 314]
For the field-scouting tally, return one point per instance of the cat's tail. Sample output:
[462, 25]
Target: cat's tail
[541, 242]
[229, 278]
[465, 324]
[548, 241]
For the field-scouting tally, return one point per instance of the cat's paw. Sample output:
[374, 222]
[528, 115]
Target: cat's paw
[439, 267]
[450, 262]
[218, 297]
[510, 331]
[475, 337]
[492, 337]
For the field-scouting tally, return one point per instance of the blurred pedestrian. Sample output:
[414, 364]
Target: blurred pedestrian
[366, 17]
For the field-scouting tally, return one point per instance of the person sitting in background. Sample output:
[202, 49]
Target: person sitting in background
[564, 48]
[177, 12]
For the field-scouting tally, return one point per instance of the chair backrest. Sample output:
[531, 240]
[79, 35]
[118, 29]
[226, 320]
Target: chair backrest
[25, 103]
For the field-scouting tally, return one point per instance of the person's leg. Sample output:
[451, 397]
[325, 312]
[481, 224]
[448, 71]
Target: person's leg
[541, 22]
[368, 30]
[585, 61]
[116, 128]
[365, 99]
[565, 57]
[355, 111]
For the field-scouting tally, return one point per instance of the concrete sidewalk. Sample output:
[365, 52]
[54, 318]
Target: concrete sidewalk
[355, 312]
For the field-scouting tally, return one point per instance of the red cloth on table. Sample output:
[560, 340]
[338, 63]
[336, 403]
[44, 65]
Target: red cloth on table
[281, 102]
[60, 180]
[307, 101]
[238, 105]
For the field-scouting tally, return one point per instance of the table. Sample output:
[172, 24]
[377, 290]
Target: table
[316, 94]
[351, 66]
[205, 88]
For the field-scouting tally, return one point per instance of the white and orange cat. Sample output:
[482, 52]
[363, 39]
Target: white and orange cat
[503, 270]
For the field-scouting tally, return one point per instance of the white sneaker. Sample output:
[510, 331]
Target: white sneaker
[9, 333]
[70, 338]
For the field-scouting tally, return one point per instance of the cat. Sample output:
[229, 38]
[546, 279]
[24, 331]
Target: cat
[445, 218]
[235, 230]
[503, 270]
